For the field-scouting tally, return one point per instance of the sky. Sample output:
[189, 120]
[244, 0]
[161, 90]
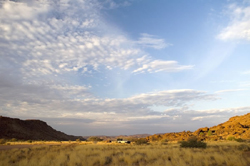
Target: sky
[112, 67]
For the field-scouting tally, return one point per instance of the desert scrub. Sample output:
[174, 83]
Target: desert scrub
[141, 141]
[125, 155]
[193, 142]
[2, 141]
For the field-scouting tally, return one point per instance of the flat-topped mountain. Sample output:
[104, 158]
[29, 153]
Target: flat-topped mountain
[237, 127]
[30, 130]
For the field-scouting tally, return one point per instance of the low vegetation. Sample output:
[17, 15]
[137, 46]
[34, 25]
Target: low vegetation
[141, 141]
[2, 141]
[100, 154]
[94, 139]
[193, 142]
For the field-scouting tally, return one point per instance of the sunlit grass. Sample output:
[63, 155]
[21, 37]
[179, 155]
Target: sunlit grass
[112, 154]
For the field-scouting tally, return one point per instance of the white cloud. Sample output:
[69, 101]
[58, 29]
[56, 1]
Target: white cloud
[230, 90]
[46, 40]
[147, 40]
[75, 101]
[159, 65]
[219, 113]
[111, 4]
[239, 27]
[200, 118]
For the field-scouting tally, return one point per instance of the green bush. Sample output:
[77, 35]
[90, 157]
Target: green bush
[94, 139]
[13, 140]
[29, 141]
[164, 142]
[141, 141]
[78, 140]
[2, 141]
[193, 142]
[239, 140]
[230, 138]
[209, 133]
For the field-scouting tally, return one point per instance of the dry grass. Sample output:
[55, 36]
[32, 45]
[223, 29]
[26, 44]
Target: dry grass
[99, 154]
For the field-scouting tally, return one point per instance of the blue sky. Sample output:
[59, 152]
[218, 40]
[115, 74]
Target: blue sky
[112, 67]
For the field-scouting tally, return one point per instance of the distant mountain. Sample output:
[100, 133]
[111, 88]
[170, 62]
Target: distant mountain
[31, 130]
[237, 127]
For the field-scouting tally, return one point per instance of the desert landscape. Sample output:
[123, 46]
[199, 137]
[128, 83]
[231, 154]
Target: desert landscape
[227, 144]
[124, 83]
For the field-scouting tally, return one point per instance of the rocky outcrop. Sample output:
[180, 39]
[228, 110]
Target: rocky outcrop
[30, 130]
[237, 127]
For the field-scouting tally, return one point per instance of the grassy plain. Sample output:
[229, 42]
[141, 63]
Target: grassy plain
[110, 154]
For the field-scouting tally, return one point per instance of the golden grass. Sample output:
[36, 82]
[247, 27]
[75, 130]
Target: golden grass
[111, 154]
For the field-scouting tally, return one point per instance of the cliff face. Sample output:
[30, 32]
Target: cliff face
[237, 126]
[30, 130]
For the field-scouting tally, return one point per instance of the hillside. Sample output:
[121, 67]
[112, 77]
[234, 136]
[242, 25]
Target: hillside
[237, 127]
[30, 130]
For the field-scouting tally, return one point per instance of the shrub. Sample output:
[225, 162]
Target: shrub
[141, 141]
[209, 133]
[239, 140]
[2, 141]
[193, 142]
[94, 139]
[230, 138]
[78, 140]
[13, 140]
[164, 142]
[29, 141]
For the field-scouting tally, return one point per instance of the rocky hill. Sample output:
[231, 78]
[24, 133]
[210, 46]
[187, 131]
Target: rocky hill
[30, 130]
[237, 127]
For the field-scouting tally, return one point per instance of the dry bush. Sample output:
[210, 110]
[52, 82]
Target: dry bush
[141, 141]
[193, 142]
[2, 141]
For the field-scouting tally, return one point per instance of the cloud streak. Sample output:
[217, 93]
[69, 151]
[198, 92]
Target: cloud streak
[65, 102]
[151, 41]
[239, 27]
[230, 90]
